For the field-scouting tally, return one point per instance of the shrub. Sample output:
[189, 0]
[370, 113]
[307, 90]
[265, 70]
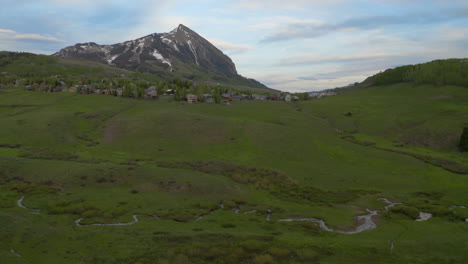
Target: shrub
[228, 225]
[280, 253]
[263, 259]
[252, 246]
[409, 211]
[307, 254]
[262, 178]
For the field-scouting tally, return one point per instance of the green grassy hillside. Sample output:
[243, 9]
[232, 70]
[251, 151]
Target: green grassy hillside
[27, 65]
[31, 65]
[106, 159]
[438, 73]
[209, 183]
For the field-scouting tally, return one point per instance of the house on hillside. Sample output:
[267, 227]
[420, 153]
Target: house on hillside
[151, 92]
[85, 90]
[236, 98]
[36, 87]
[245, 97]
[226, 97]
[259, 97]
[72, 89]
[119, 91]
[106, 92]
[208, 98]
[169, 92]
[192, 99]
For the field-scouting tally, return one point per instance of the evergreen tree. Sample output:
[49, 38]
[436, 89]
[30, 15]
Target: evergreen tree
[217, 96]
[177, 95]
[464, 140]
[126, 92]
[140, 92]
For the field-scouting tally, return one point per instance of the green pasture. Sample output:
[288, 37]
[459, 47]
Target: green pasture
[99, 158]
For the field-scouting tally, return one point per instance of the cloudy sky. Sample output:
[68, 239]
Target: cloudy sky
[291, 45]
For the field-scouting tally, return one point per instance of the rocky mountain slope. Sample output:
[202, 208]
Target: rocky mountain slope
[181, 52]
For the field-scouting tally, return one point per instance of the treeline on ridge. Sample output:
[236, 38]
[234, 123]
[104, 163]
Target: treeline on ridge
[438, 72]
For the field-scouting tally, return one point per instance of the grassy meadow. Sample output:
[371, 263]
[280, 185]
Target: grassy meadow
[105, 159]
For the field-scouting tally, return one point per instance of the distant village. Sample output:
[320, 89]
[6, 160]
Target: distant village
[137, 88]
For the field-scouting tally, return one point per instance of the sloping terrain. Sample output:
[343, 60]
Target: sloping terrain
[73, 166]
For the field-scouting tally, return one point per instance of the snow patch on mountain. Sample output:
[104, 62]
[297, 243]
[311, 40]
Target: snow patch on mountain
[193, 51]
[111, 59]
[159, 57]
[170, 43]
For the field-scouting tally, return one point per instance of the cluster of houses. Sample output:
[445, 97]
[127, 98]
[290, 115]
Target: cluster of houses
[152, 93]
[229, 97]
[318, 95]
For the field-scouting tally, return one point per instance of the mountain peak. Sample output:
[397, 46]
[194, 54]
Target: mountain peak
[182, 28]
[181, 50]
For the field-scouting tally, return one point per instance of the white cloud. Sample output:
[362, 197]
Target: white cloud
[230, 47]
[82, 3]
[279, 22]
[453, 33]
[8, 31]
[11, 35]
[302, 60]
[36, 37]
[280, 4]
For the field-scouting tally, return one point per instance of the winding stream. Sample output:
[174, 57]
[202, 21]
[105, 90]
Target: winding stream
[12, 251]
[20, 204]
[424, 216]
[135, 220]
[363, 222]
